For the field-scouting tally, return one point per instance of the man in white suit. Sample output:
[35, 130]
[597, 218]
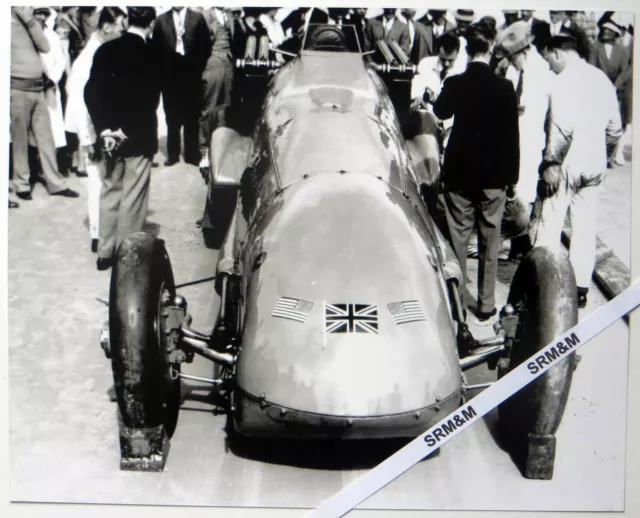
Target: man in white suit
[533, 81]
[583, 130]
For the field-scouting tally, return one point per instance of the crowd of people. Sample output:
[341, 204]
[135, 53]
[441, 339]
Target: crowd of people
[86, 83]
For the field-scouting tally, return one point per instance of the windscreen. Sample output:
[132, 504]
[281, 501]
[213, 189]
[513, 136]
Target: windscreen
[331, 38]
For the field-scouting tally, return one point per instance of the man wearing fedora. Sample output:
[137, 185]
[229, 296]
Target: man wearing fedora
[464, 18]
[533, 90]
[582, 131]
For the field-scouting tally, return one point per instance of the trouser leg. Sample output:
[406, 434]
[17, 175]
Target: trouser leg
[110, 199]
[548, 217]
[489, 218]
[43, 135]
[173, 117]
[460, 216]
[191, 147]
[94, 186]
[21, 107]
[211, 87]
[135, 196]
[217, 89]
[583, 215]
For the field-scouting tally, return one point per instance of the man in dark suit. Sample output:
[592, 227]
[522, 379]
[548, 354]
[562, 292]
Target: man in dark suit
[388, 29]
[122, 96]
[181, 37]
[418, 37]
[481, 159]
[436, 25]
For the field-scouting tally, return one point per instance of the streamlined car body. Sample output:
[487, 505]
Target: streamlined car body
[339, 315]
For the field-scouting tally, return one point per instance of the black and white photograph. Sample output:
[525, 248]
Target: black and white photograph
[254, 251]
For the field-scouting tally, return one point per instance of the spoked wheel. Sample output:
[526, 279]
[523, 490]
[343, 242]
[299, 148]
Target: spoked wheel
[544, 295]
[147, 384]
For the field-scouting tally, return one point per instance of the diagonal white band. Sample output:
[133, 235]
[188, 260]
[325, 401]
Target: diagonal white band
[362, 488]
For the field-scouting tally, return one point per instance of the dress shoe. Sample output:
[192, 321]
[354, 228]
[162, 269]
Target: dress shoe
[67, 193]
[94, 246]
[26, 195]
[582, 300]
[104, 263]
[484, 317]
[13, 204]
[171, 161]
[81, 174]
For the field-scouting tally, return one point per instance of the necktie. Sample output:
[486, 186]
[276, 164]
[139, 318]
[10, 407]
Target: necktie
[412, 33]
[443, 74]
[180, 35]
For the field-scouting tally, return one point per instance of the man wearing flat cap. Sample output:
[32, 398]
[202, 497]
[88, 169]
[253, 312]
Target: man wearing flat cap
[583, 129]
[533, 90]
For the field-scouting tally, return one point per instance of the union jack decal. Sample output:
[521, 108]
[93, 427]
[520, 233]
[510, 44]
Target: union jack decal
[351, 318]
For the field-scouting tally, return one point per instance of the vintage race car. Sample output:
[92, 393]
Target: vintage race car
[339, 313]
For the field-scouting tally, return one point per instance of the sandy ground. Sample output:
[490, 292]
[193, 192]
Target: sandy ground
[63, 432]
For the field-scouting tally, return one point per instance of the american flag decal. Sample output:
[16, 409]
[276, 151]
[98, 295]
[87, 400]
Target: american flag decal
[406, 311]
[293, 309]
[351, 318]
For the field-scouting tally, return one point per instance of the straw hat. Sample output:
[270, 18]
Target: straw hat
[514, 38]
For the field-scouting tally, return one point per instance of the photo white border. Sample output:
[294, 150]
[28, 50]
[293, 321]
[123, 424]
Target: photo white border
[632, 495]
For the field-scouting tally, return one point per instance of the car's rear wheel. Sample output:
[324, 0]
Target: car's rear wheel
[544, 294]
[147, 385]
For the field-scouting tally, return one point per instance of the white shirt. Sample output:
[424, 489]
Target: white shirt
[178, 20]
[77, 119]
[221, 16]
[412, 33]
[388, 24]
[274, 30]
[584, 107]
[428, 75]
[137, 31]
[54, 61]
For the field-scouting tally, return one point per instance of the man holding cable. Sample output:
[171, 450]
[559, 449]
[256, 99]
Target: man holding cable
[122, 96]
